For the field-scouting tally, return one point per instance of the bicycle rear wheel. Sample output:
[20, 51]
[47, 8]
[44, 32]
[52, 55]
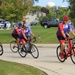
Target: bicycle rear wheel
[34, 51]
[73, 55]
[57, 52]
[13, 46]
[1, 49]
[22, 51]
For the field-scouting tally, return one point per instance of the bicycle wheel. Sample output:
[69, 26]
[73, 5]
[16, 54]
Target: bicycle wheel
[34, 51]
[57, 52]
[73, 55]
[13, 46]
[1, 49]
[22, 51]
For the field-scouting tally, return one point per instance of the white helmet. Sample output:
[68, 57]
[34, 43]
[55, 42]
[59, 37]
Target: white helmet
[26, 25]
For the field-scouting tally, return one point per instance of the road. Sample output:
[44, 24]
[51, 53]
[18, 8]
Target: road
[47, 61]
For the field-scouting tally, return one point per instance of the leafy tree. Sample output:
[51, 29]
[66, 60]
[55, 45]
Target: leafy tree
[45, 10]
[72, 8]
[14, 10]
[35, 9]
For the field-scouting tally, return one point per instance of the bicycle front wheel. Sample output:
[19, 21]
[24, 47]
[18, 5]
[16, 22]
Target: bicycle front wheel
[34, 51]
[57, 52]
[1, 49]
[73, 55]
[13, 46]
[22, 51]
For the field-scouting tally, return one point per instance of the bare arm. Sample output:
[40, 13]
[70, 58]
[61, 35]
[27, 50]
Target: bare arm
[72, 32]
[31, 33]
[63, 34]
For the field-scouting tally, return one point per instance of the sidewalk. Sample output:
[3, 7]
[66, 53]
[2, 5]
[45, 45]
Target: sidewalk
[38, 45]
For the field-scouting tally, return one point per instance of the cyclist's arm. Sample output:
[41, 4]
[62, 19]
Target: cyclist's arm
[17, 31]
[31, 33]
[72, 32]
[24, 35]
[61, 30]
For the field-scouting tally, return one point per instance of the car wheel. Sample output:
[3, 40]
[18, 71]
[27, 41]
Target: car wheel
[45, 26]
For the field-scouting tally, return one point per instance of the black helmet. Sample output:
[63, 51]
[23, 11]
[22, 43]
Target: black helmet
[20, 24]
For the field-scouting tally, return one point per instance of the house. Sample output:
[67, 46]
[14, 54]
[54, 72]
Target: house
[32, 17]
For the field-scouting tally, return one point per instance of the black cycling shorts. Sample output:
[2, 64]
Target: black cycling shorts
[15, 36]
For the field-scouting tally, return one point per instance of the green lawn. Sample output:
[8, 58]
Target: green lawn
[10, 68]
[47, 35]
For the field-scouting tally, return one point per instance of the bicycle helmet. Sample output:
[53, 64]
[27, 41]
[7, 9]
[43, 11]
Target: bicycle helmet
[20, 24]
[24, 20]
[25, 25]
[66, 18]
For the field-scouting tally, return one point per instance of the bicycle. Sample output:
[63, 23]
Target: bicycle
[32, 49]
[1, 49]
[14, 46]
[68, 52]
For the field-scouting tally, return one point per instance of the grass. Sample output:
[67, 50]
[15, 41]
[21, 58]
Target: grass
[5, 36]
[10, 68]
[47, 35]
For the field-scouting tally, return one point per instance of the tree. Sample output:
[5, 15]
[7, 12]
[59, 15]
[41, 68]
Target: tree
[45, 10]
[14, 10]
[72, 8]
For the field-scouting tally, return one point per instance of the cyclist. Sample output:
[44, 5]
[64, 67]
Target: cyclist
[16, 32]
[62, 34]
[25, 33]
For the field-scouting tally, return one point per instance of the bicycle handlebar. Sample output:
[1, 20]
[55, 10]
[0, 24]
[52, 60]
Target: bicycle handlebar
[32, 39]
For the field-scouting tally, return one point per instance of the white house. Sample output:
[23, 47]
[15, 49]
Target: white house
[32, 17]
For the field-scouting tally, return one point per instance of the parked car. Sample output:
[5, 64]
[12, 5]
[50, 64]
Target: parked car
[8, 24]
[2, 24]
[50, 22]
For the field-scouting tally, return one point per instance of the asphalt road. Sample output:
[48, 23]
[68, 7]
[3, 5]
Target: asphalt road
[47, 61]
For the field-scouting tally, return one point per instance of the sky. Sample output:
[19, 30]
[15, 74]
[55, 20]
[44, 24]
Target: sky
[43, 3]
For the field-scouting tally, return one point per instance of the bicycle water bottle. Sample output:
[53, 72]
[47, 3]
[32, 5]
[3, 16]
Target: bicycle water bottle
[26, 46]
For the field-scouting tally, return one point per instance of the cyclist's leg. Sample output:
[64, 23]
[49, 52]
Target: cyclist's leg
[62, 47]
[61, 41]
[16, 38]
[17, 41]
[23, 43]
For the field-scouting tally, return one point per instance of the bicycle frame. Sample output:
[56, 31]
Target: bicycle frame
[70, 46]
